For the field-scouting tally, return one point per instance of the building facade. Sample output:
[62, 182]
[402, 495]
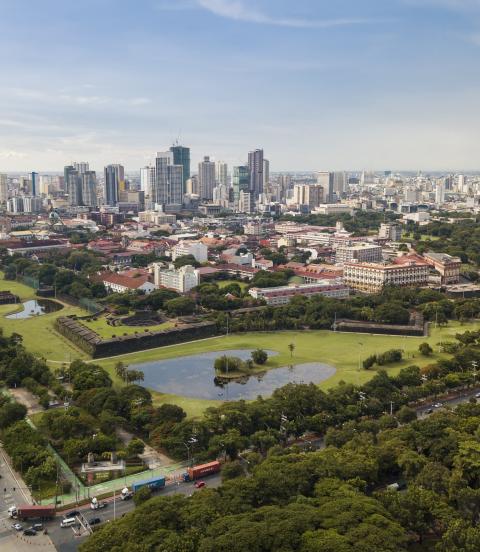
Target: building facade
[114, 176]
[181, 280]
[206, 179]
[361, 252]
[283, 294]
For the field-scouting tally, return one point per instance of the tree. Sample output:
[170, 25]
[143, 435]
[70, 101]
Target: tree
[406, 415]
[425, 349]
[142, 495]
[291, 348]
[259, 356]
[185, 260]
[180, 307]
[131, 376]
[10, 413]
[135, 447]
[120, 370]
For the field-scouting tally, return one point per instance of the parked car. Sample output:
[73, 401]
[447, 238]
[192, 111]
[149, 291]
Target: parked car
[94, 521]
[72, 514]
[438, 405]
[200, 484]
[429, 411]
[37, 526]
[30, 532]
[17, 527]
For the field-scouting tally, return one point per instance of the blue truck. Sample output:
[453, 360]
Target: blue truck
[154, 484]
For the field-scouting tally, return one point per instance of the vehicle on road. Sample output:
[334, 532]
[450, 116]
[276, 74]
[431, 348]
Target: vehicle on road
[68, 522]
[30, 532]
[200, 484]
[438, 405]
[37, 526]
[201, 471]
[94, 521]
[153, 484]
[72, 514]
[477, 395]
[429, 411]
[98, 504]
[32, 512]
[17, 527]
[126, 494]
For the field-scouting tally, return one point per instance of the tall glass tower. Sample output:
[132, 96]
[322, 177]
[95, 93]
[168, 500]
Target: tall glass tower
[181, 156]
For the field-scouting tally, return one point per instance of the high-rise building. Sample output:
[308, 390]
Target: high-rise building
[3, 188]
[89, 189]
[326, 180]
[181, 156]
[35, 183]
[221, 173]
[32, 204]
[206, 178]
[114, 175]
[308, 194]
[339, 183]
[440, 193]
[168, 189]
[81, 167]
[255, 164]
[147, 183]
[240, 182]
[73, 186]
[245, 202]
[192, 185]
[266, 175]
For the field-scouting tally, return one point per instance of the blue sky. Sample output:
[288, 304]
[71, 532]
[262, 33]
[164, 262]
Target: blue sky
[344, 84]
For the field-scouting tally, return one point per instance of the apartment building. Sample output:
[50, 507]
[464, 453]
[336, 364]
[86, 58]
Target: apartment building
[181, 280]
[361, 252]
[195, 248]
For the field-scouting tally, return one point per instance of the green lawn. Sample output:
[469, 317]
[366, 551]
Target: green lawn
[224, 283]
[343, 350]
[38, 334]
[106, 331]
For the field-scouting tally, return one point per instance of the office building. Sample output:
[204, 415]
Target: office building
[440, 193]
[81, 167]
[206, 178]
[182, 280]
[240, 183]
[409, 270]
[221, 173]
[114, 175]
[326, 180]
[34, 184]
[32, 204]
[147, 183]
[256, 167]
[3, 188]
[168, 189]
[447, 266]
[73, 186]
[283, 294]
[339, 184]
[15, 205]
[181, 156]
[266, 175]
[192, 186]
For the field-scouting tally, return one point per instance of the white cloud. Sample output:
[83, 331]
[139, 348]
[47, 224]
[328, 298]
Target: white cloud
[239, 11]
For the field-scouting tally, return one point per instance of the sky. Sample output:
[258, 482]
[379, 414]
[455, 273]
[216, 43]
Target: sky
[319, 84]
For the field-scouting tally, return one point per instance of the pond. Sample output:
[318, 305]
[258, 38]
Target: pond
[35, 307]
[194, 376]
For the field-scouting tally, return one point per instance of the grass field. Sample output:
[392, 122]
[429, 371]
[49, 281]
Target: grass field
[224, 283]
[106, 331]
[38, 334]
[344, 351]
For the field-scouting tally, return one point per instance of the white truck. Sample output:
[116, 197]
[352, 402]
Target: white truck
[126, 494]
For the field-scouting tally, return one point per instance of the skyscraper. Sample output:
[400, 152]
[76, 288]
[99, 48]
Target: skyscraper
[147, 183]
[240, 182]
[221, 173]
[114, 175]
[339, 183]
[73, 186]
[206, 178]
[308, 194]
[89, 189]
[326, 180]
[181, 156]
[255, 165]
[81, 167]
[3, 188]
[35, 183]
[169, 186]
[266, 175]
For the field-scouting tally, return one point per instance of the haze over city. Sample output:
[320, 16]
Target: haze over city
[342, 85]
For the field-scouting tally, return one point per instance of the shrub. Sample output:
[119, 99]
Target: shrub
[389, 357]
[259, 356]
[369, 362]
[425, 349]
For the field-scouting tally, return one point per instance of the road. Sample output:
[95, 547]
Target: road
[423, 411]
[65, 540]
[12, 493]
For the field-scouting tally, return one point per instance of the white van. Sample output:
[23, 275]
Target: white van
[68, 522]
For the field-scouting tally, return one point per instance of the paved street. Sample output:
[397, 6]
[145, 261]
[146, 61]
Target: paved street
[12, 493]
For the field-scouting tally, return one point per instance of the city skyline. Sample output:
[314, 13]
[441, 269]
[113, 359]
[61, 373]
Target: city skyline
[317, 86]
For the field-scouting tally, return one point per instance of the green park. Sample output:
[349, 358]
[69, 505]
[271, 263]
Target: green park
[343, 351]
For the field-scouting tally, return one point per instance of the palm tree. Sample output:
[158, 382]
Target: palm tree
[120, 370]
[291, 348]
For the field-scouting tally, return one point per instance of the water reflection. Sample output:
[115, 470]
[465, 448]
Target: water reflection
[35, 307]
[194, 376]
